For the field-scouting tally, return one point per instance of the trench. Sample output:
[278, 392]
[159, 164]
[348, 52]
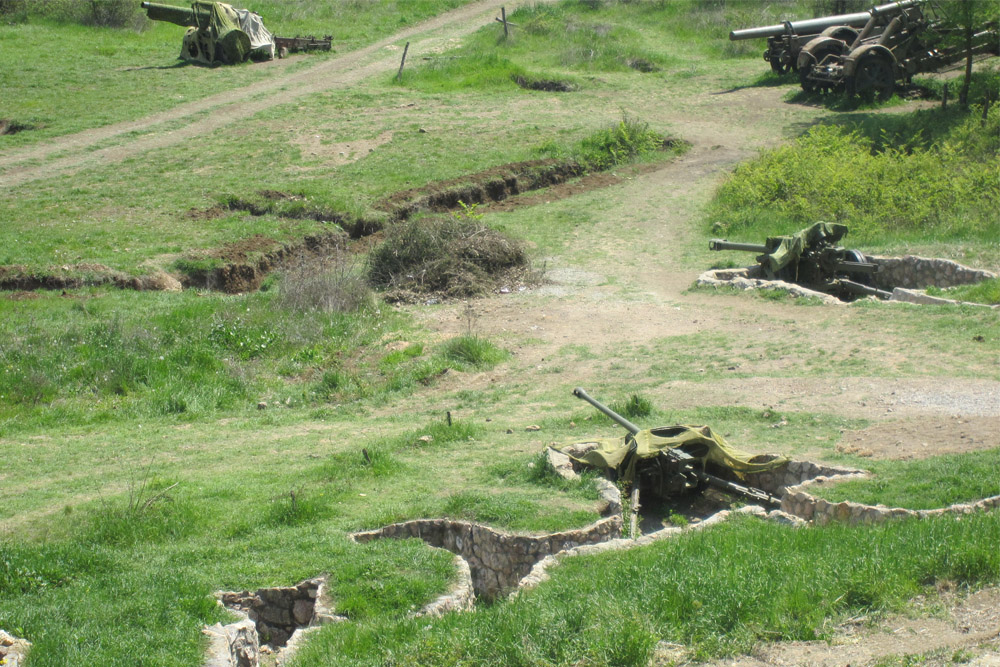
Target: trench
[8, 126]
[902, 279]
[493, 563]
[245, 264]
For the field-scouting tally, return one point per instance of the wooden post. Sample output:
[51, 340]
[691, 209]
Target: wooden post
[503, 17]
[449, 418]
[399, 74]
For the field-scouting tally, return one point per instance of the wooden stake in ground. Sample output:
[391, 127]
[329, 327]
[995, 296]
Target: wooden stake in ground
[503, 17]
[402, 62]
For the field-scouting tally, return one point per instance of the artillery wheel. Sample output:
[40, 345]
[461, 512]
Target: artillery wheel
[873, 79]
[780, 68]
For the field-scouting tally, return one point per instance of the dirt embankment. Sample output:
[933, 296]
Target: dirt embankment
[242, 266]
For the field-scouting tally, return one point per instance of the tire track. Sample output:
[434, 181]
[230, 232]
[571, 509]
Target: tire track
[232, 106]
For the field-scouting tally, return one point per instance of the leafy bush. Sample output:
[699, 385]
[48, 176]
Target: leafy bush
[623, 142]
[452, 256]
[897, 184]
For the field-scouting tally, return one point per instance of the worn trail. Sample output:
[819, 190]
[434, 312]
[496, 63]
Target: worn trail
[71, 153]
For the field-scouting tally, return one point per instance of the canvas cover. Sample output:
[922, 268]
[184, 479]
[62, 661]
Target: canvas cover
[261, 39]
[618, 457]
[786, 250]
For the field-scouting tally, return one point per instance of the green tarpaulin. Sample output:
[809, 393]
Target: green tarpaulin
[618, 458]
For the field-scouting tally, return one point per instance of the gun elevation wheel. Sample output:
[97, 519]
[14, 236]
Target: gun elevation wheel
[873, 79]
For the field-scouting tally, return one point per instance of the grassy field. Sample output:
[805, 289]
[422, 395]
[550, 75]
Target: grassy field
[159, 446]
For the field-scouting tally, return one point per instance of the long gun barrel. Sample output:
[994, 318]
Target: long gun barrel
[818, 25]
[720, 244]
[626, 424]
[182, 16]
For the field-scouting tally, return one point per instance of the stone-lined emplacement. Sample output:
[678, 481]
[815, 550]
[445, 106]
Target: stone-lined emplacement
[818, 510]
[496, 559]
[900, 275]
[539, 572]
[13, 650]
[278, 612]
[490, 562]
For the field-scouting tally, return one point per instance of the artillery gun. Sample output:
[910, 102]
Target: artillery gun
[674, 460]
[217, 32]
[786, 40]
[914, 41]
[813, 259]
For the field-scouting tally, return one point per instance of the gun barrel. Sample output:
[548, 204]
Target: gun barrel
[182, 16]
[626, 424]
[721, 244]
[858, 267]
[865, 290]
[818, 25]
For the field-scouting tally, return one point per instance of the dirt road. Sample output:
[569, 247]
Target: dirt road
[65, 155]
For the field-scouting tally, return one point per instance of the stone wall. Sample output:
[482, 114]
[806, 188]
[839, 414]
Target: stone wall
[460, 597]
[921, 272]
[278, 612]
[793, 473]
[497, 559]
[818, 510]
[13, 650]
[896, 274]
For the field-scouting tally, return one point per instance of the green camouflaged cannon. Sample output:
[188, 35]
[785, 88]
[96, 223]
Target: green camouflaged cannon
[217, 33]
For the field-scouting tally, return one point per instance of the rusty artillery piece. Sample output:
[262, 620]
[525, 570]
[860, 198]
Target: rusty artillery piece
[917, 39]
[786, 40]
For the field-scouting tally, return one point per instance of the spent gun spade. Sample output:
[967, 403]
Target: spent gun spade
[681, 463]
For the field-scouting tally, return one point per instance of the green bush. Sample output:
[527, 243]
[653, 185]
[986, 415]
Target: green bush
[896, 185]
[625, 141]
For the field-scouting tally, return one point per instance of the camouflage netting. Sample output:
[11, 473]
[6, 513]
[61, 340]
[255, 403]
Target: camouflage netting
[217, 32]
[783, 251]
[618, 458]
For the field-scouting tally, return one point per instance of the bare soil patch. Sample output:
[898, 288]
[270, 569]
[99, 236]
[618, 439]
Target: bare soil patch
[968, 627]
[920, 437]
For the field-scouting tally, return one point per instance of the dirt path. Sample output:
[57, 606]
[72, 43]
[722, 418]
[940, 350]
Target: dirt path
[66, 155]
[966, 632]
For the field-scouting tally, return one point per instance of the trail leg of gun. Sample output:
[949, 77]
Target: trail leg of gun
[634, 525]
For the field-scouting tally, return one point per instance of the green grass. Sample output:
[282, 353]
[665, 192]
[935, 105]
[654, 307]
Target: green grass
[107, 355]
[613, 609]
[931, 483]
[987, 292]
[122, 74]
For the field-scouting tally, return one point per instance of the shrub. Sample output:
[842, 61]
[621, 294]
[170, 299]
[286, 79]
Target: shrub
[326, 284]
[623, 142]
[474, 351]
[450, 256]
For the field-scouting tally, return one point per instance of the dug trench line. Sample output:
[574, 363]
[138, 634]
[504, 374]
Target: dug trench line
[247, 262]
[225, 109]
